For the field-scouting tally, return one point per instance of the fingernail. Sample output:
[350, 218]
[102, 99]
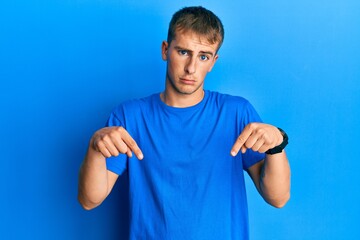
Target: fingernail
[233, 153]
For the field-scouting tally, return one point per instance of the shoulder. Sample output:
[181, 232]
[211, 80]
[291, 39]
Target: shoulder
[135, 105]
[137, 102]
[222, 99]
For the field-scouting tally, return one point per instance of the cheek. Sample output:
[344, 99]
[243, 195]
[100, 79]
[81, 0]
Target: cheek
[171, 66]
[172, 69]
[205, 70]
[174, 64]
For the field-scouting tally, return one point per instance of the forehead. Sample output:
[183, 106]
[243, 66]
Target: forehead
[193, 41]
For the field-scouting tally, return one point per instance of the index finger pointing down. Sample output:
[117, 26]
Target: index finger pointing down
[132, 145]
[240, 141]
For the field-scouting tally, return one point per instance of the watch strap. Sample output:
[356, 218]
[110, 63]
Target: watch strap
[279, 148]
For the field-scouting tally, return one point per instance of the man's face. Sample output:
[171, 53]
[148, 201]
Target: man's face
[189, 58]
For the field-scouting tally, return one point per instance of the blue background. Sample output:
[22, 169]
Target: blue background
[65, 64]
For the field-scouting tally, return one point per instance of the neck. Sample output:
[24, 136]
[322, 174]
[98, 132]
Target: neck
[182, 100]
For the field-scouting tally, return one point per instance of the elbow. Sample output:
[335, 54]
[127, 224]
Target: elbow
[87, 205]
[89, 201]
[279, 202]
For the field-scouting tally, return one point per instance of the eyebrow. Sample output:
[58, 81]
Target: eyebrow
[203, 52]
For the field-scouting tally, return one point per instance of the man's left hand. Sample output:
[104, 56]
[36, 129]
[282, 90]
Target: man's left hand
[259, 137]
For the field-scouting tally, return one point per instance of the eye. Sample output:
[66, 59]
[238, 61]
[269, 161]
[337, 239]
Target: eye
[204, 58]
[183, 52]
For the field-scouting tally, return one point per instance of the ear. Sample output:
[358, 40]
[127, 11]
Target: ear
[213, 62]
[164, 50]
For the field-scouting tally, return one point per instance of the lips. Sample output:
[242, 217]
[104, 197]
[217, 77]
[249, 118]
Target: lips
[187, 81]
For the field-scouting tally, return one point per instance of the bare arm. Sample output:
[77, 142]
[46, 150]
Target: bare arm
[271, 176]
[272, 179]
[95, 181]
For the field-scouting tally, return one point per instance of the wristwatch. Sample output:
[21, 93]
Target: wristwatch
[279, 148]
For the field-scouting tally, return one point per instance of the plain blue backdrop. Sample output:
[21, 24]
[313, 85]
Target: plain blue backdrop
[65, 64]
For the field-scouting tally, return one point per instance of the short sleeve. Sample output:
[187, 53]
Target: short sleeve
[250, 116]
[116, 164]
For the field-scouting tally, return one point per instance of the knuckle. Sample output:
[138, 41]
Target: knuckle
[98, 145]
[123, 148]
[104, 151]
[113, 134]
[120, 129]
[261, 131]
[132, 144]
[104, 137]
[252, 126]
[95, 143]
[266, 138]
[241, 139]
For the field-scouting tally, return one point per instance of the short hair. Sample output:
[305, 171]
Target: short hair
[198, 20]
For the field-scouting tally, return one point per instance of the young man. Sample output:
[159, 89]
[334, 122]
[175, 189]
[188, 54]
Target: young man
[194, 145]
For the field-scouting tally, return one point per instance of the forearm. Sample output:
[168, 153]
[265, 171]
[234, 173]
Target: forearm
[275, 179]
[93, 180]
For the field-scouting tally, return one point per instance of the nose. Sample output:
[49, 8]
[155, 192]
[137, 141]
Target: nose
[190, 66]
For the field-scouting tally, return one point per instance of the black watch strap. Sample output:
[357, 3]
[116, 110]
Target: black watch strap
[279, 148]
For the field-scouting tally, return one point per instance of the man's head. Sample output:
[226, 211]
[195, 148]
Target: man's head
[194, 38]
[197, 20]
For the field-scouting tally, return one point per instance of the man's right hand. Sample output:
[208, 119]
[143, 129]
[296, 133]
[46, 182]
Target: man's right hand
[111, 141]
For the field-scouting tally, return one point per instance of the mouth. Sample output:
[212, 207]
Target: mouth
[187, 81]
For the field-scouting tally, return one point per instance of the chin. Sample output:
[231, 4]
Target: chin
[186, 91]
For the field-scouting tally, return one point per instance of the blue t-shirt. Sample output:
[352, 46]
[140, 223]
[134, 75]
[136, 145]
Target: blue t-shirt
[188, 186]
